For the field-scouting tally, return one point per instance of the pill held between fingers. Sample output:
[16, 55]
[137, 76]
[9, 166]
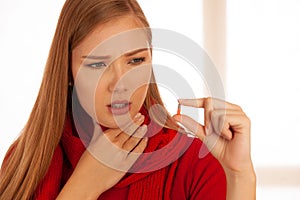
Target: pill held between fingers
[179, 109]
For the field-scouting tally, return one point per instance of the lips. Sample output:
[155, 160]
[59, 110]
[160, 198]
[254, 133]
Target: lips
[119, 107]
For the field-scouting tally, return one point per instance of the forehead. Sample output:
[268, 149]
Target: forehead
[114, 37]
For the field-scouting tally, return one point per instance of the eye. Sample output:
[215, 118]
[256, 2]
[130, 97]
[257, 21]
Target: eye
[136, 61]
[96, 65]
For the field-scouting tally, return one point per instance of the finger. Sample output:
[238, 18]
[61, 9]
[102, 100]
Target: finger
[133, 155]
[191, 125]
[109, 133]
[218, 118]
[141, 146]
[130, 129]
[212, 142]
[136, 152]
[234, 123]
[135, 124]
[135, 139]
[204, 102]
[197, 103]
[140, 132]
[239, 124]
[201, 102]
[113, 134]
[221, 121]
[115, 156]
[209, 104]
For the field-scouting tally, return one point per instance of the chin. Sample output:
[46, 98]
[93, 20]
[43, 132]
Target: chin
[110, 121]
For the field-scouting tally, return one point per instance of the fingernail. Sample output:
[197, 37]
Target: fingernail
[144, 127]
[178, 109]
[141, 118]
[137, 116]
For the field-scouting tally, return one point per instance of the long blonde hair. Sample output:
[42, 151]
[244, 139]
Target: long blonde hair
[29, 157]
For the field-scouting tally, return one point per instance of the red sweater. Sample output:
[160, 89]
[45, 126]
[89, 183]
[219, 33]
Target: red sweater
[194, 178]
[183, 174]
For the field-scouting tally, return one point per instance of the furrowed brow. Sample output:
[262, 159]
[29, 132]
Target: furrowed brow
[135, 52]
[96, 57]
[108, 57]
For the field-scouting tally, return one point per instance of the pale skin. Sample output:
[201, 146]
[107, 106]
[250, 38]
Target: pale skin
[91, 177]
[228, 141]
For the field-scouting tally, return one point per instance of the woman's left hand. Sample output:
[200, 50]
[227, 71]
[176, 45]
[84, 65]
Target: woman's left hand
[226, 132]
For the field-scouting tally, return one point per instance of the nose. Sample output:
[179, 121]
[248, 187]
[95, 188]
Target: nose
[117, 82]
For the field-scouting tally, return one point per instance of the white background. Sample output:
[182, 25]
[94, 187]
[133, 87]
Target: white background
[262, 73]
[263, 77]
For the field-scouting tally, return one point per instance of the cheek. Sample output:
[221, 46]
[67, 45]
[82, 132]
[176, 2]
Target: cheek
[138, 99]
[85, 84]
[139, 95]
[100, 97]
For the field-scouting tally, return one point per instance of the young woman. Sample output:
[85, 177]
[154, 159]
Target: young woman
[99, 129]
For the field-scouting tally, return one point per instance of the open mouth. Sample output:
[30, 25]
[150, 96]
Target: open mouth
[119, 107]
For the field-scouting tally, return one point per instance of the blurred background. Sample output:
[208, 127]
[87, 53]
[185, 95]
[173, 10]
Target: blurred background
[254, 44]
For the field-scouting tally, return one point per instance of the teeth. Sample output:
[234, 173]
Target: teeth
[119, 105]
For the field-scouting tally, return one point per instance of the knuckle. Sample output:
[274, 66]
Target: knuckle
[133, 144]
[114, 140]
[120, 157]
[131, 129]
[117, 141]
[130, 144]
[128, 130]
[237, 107]
[248, 120]
[208, 100]
[141, 132]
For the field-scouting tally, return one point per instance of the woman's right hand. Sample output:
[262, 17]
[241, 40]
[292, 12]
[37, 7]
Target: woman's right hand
[106, 160]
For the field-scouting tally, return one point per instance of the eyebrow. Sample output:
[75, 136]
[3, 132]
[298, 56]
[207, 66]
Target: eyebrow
[96, 57]
[135, 52]
[108, 57]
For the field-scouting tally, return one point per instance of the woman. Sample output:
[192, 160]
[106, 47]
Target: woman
[86, 91]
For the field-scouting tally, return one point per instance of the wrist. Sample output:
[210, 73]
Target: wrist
[241, 184]
[244, 170]
[246, 174]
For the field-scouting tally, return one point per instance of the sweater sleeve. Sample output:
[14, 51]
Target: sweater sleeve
[206, 177]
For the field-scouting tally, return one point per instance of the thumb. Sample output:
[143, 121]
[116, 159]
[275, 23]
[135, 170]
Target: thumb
[210, 141]
[192, 125]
